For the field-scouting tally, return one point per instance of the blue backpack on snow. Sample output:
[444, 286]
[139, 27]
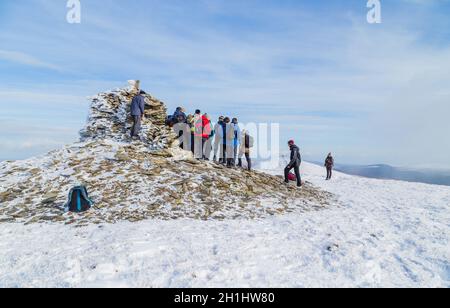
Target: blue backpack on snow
[78, 200]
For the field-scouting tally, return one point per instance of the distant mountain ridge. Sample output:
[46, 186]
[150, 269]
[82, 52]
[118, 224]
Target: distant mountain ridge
[383, 171]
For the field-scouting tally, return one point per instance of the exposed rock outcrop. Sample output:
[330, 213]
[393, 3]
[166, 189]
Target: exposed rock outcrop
[150, 178]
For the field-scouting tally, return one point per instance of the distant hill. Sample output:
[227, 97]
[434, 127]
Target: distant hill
[381, 171]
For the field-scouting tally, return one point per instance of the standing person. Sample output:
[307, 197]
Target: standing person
[246, 144]
[137, 112]
[178, 121]
[329, 164]
[207, 136]
[191, 129]
[295, 163]
[179, 116]
[229, 142]
[198, 135]
[236, 141]
[225, 130]
[218, 132]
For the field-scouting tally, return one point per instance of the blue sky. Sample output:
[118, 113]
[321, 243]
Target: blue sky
[368, 93]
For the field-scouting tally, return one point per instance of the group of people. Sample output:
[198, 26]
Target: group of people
[225, 140]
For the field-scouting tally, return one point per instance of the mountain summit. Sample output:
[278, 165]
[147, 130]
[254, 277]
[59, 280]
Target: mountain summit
[149, 178]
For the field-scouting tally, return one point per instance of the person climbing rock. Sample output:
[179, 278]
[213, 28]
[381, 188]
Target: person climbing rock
[218, 137]
[329, 164]
[246, 144]
[295, 163]
[137, 113]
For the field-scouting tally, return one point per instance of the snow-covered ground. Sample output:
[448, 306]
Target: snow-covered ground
[383, 234]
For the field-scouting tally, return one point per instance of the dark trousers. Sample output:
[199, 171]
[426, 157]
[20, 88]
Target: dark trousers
[136, 126]
[192, 143]
[329, 173]
[249, 161]
[224, 154]
[288, 169]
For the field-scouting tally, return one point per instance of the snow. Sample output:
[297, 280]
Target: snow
[380, 234]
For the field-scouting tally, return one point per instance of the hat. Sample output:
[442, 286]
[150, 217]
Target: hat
[291, 142]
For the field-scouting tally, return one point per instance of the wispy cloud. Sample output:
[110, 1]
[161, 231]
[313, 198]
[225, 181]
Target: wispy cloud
[25, 59]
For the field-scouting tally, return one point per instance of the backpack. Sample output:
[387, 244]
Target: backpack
[292, 177]
[169, 121]
[78, 200]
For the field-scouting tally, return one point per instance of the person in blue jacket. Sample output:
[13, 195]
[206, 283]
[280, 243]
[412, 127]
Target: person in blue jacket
[137, 113]
[236, 141]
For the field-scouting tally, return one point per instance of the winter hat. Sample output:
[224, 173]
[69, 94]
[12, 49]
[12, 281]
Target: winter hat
[291, 142]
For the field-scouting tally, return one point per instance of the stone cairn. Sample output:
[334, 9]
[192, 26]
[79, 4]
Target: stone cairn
[110, 118]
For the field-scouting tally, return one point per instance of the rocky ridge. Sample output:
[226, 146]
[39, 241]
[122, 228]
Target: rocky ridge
[137, 180]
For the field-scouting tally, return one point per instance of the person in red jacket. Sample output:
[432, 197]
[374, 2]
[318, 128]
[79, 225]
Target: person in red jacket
[202, 134]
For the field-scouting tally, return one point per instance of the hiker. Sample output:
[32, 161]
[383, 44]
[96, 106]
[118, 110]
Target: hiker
[229, 143]
[198, 134]
[218, 132]
[225, 130]
[236, 141]
[179, 116]
[191, 129]
[207, 136]
[329, 164]
[137, 112]
[295, 163]
[246, 144]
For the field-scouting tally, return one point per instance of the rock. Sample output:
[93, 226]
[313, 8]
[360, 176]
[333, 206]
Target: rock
[5, 196]
[122, 157]
[49, 198]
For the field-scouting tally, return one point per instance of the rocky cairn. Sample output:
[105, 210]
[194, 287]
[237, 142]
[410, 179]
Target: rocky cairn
[137, 180]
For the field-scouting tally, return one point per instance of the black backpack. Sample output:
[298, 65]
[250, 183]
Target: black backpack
[79, 200]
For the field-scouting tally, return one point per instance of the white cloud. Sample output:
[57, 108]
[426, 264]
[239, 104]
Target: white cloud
[26, 59]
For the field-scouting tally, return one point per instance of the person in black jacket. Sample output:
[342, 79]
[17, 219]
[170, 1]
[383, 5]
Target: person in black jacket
[295, 163]
[329, 164]
[245, 147]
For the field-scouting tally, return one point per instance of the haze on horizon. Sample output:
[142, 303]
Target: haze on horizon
[370, 93]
